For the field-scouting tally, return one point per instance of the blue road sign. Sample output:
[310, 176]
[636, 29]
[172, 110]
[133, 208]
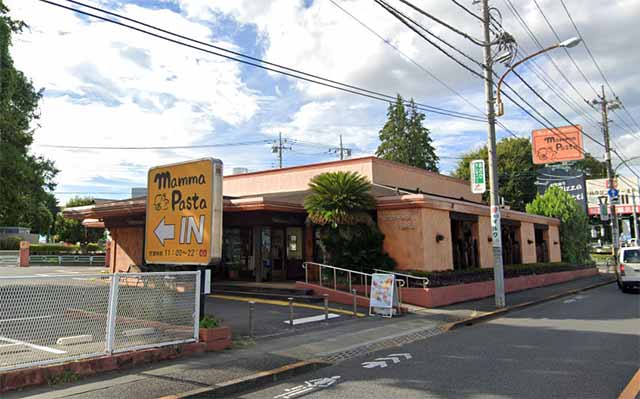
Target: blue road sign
[613, 193]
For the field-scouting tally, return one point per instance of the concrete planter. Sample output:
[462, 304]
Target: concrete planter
[441, 296]
[216, 339]
[214, 334]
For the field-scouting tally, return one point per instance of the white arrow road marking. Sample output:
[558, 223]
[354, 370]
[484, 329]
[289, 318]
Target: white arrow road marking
[308, 386]
[393, 359]
[164, 231]
[371, 365]
[407, 356]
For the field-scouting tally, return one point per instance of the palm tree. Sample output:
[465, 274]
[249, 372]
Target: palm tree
[339, 198]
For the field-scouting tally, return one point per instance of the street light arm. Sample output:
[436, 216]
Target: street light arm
[615, 172]
[500, 110]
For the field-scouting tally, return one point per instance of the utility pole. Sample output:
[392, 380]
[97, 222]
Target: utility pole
[605, 106]
[278, 148]
[635, 214]
[342, 150]
[496, 230]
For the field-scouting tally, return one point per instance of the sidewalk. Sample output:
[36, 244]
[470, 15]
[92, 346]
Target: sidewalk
[333, 342]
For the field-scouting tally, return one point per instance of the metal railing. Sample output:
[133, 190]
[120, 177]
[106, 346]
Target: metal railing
[45, 320]
[9, 258]
[67, 259]
[421, 282]
[336, 278]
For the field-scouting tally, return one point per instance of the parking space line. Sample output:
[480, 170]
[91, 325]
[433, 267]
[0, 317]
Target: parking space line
[33, 346]
[311, 319]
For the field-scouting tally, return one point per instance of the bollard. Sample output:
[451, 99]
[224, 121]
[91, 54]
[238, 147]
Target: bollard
[251, 309]
[290, 312]
[326, 307]
[355, 303]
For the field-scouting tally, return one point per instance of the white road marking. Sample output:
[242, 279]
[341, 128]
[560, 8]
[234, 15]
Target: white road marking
[308, 386]
[381, 362]
[33, 346]
[67, 271]
[311, 319]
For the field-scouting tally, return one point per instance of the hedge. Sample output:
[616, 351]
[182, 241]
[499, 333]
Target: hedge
[453, 277]
[61, 249]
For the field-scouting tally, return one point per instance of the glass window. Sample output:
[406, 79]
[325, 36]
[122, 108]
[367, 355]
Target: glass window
[237, 248]
[631, 256]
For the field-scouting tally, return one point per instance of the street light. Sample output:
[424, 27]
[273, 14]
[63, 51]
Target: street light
[574, 41]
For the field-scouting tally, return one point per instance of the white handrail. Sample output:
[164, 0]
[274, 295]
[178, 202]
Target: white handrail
[363, 276]
[304, 266]
[425, 280]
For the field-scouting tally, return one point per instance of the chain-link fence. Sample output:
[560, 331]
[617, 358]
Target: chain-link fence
[60, 318]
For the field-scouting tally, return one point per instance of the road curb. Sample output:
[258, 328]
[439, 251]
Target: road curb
[497, 313]
[252, 381]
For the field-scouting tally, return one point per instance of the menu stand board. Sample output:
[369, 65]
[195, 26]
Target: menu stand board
[383, 297]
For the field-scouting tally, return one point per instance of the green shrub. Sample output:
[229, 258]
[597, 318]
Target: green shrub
[53, 249]
[453, 277]
[356, 247]
[209, 322]
[574, 226]
[10, 243]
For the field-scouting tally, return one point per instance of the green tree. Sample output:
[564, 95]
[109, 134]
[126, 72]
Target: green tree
[591, 167]
[71, 230]
[574, 227]
[405, 139]
[516, 171]
[340, 203]
[26, 180]
[339, 198]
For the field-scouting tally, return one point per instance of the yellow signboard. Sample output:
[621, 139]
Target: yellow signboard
[184, 213]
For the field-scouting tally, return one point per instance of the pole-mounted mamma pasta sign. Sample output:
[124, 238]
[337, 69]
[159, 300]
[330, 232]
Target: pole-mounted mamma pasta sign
[557, 145]
[184, 213]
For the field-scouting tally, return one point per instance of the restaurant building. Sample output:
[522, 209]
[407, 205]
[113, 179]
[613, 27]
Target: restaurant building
[430, 222]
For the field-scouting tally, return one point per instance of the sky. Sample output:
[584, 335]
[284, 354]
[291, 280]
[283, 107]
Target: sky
[108, 86]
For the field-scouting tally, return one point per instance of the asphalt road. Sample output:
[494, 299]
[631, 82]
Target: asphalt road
[583, 346]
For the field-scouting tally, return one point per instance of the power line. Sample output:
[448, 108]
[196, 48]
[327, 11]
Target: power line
[516, 14]
[423, 68]
[584, 42]
[78, 147]
[445, 24]
[544, 16]
[409, 23]
[270, 66]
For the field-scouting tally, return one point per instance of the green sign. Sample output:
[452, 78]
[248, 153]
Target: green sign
[478, 178]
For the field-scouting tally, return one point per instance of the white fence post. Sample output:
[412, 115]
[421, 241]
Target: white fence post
[113, 311]
[196, 313]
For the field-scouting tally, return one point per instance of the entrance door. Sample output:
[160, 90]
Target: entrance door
[278, 253]
[294, 253]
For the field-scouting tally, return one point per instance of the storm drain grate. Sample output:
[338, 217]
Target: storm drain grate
[384, 344]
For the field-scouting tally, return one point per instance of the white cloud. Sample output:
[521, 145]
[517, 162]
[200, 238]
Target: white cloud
[162, 87]
[108, 86]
